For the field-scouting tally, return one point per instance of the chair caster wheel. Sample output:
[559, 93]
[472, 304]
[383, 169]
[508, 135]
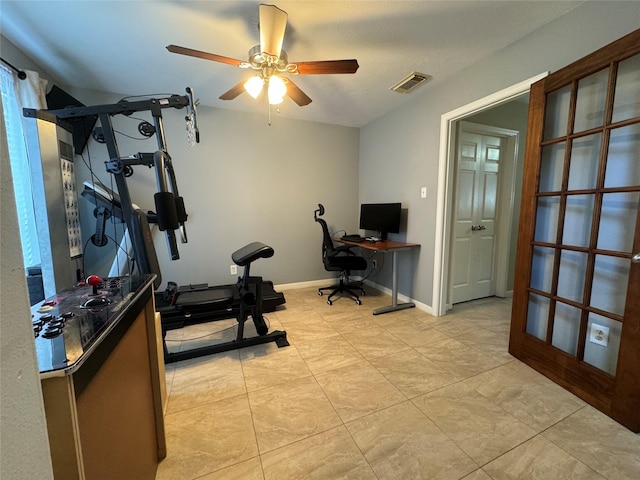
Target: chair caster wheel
[329, 302]
[319, 293]
[358, 302]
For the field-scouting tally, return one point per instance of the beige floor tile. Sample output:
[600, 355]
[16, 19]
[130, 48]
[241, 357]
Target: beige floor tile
[328, 353]
[527, 395]
[330, 455]
[304, 314]
[267, 365]
[208, 438]
[169, 373]
[309, 330]
[346, 322]
[600, 442]
[290, 412]
[412, 373]
[478, 426]
[454, 325]
[401, 442]
[416, 331]
[339, 305]
[489, 342]
[477, 475]
[391, 318]
[210, 333]
[458, 358]
[287, 426]
[539, 459]
[375, 342]
[203, 380]
[358, 390]
[248, 470]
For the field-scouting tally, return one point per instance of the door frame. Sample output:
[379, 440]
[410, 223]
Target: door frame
[446, 182]
[504, 208]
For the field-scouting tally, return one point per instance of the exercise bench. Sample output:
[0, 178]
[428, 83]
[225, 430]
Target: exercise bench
[250, 291]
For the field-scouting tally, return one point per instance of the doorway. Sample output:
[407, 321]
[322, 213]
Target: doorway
[446, 182]
[486, 164]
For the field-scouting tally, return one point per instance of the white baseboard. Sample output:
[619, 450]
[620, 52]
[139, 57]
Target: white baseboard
[313, 283]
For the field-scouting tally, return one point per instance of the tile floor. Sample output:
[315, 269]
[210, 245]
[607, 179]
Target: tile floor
[397, 396]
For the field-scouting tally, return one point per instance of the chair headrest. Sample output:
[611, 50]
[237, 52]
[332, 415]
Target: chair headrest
[319, 212]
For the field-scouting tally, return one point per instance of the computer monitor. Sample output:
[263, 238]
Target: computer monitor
[381, 217]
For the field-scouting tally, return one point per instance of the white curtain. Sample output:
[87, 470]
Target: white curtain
[30, 92]
[16, 95]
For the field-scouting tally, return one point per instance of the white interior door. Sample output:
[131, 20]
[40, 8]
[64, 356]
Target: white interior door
[479, 158]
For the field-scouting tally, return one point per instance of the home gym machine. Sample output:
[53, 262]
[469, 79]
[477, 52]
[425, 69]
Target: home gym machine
[178, 306]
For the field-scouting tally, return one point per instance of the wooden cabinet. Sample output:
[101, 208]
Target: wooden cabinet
[105, 417]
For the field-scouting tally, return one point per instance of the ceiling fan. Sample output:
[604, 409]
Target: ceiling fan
[269, 62]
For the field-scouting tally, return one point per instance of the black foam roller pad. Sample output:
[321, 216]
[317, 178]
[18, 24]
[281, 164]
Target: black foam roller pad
[166, 211]
[181, 211]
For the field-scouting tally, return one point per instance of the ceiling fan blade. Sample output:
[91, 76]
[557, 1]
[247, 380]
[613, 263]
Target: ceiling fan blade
[297, 95]
[327, 66]
[233, 92]
[199, 54]
[273, 23]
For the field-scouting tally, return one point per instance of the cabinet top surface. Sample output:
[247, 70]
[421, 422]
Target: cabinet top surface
[69, 325]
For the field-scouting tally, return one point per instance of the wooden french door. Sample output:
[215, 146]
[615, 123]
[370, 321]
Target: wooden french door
[576, 306]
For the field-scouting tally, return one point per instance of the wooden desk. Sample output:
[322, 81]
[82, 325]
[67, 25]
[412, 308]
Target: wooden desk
[393, 247]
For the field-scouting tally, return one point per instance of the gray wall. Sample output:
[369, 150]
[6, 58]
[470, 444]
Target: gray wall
[245, 181]
[399, 152]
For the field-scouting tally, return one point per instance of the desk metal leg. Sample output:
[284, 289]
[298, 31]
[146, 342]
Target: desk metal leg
[394, 291]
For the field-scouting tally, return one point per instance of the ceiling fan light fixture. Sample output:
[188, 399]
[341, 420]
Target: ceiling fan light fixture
[254, 85]
[276, 90]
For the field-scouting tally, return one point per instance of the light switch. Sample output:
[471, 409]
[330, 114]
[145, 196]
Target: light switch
[423, 192]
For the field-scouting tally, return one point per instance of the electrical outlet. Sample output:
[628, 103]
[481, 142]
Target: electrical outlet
[599, 335]
[233, 269]
[375, 264]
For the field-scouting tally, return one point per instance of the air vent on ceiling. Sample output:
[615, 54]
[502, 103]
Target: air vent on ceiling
[410, 82]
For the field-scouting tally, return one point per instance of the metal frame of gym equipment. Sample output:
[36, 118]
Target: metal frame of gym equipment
[170, 216]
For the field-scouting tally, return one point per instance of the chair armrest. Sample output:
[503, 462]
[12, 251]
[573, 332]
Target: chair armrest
[344, 249]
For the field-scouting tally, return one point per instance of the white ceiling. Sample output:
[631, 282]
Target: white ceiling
[119, 46]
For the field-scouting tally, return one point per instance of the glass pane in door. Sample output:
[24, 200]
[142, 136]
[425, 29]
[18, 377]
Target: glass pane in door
[538, 316]
[557, 114]
[604, 357]
[573, 267]
[577, 220]
[610, 279]
[626, 103]
[566, 327]
[618, 221]
[547, 219]
[551, 167]
[585, 156]
[590, 102]
[623, 160]
[542, 268]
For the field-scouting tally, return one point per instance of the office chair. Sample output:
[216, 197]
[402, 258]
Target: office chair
[339, 259]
